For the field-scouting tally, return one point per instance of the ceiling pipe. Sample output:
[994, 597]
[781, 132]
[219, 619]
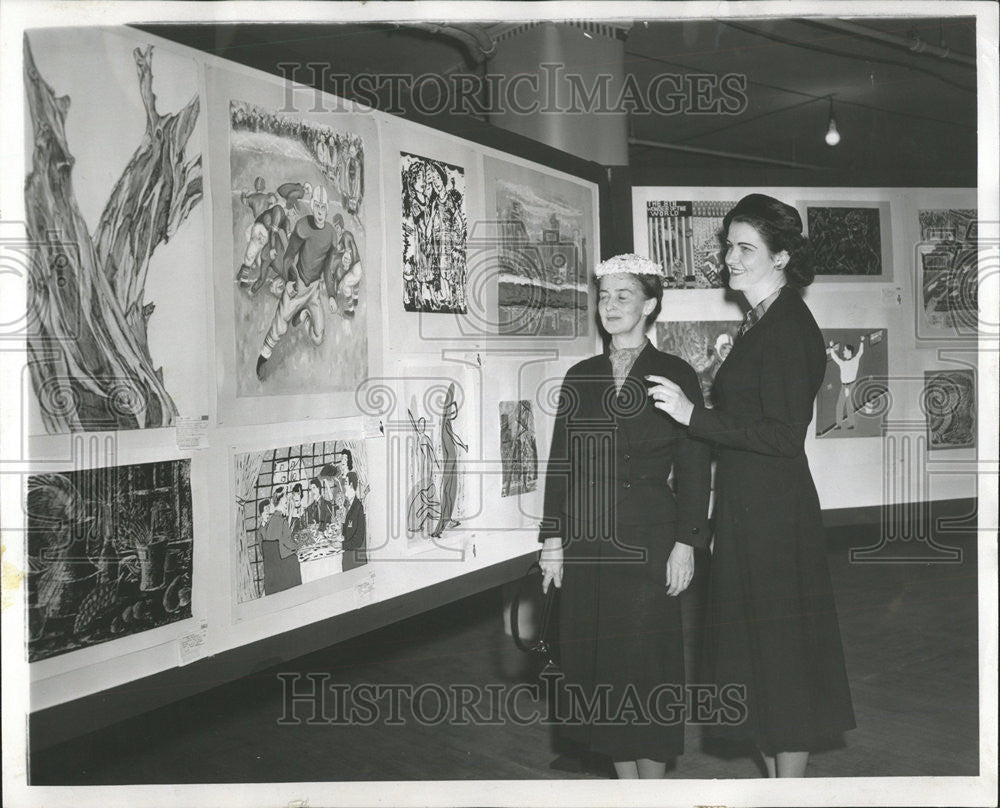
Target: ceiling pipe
[478, 44]
[749, 158]
[912, 44]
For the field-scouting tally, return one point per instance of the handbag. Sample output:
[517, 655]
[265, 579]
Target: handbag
[541, 647]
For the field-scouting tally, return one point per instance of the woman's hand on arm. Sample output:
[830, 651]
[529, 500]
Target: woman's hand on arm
[680, 568]
[670, 398]
[551, 562]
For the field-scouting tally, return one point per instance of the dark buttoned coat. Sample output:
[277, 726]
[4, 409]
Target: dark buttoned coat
[772, 621]
[608, 497]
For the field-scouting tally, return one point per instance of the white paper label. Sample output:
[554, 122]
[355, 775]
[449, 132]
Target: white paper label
[191, 646]
[192, 433]
[365, 591]
[892, 297]
[373, 427]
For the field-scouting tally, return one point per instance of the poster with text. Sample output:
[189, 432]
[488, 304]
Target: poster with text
[684, 238]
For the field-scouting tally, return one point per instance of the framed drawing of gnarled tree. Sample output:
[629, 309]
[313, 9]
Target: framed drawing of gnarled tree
[114, 212]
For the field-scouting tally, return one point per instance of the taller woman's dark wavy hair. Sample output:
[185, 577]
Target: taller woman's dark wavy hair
[780, 227]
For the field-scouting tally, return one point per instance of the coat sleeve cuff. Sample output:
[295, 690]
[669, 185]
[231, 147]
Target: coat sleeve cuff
[550, 529]
[696, 424]
[697, 536]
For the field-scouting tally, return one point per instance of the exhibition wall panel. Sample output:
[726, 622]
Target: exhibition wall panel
[896, 274]
[331, 340]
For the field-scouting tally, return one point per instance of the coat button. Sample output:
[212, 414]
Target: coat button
[627, 458]
[695, 530]
[626, 484]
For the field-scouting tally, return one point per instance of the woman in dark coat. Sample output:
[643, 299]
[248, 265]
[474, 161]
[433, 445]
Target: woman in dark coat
[626, 537]
[772, 619]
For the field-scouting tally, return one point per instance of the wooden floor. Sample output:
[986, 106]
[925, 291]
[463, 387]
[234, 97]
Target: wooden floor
[910, 636]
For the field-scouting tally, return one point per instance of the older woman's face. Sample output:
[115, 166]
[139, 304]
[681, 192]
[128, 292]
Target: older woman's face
[749, 260]
[621, 303]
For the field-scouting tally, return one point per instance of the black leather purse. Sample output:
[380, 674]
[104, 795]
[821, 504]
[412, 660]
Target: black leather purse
[541, 646]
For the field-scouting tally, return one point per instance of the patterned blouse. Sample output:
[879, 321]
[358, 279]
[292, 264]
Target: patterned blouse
[622, 360]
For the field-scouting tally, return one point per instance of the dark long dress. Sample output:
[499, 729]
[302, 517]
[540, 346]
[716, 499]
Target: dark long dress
[607, 497]
[772, 619]
[281, 565]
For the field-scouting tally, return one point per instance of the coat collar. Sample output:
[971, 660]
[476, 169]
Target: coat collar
[785, 298]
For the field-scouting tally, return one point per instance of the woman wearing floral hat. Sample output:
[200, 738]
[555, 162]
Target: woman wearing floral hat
[617, 539]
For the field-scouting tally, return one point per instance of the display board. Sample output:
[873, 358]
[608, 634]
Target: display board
[322, 396]
[894, 296]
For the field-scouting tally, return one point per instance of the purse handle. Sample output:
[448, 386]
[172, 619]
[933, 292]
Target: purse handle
[541, 645]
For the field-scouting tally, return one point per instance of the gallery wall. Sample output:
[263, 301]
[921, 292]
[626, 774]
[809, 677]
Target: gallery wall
[195, 421]
[916, 302]
[176, 505]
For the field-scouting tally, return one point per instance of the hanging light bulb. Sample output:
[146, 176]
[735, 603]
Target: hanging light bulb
[832, 135]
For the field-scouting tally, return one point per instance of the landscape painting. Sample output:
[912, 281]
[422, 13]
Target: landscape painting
[544, 244]
[109, 554]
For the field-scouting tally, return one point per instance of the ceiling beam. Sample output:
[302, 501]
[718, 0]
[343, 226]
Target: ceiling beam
[912, 44]
[748, 158]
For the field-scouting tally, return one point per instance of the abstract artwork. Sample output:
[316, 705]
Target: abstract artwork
[684, 239]
[847, 241]
[518, 452]
[703, 344]
[949, 402]
[438, 431]
[434, 235]
[544, 241]
[300, 515]
[299, 250]
[949, 267]
[109, 554]
[853, 398]
[114, 175]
